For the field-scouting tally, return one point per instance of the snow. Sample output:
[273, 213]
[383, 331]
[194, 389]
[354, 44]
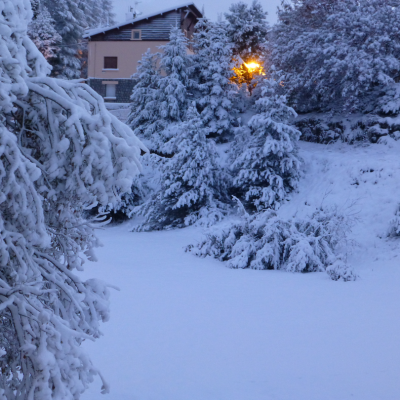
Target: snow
[119, 110]
[186, 328]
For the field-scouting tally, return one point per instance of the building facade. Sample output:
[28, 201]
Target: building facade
[114, 51]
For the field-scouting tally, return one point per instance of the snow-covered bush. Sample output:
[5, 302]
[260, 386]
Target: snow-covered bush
[265, 241]
[213, 70]
[61, 153]
[340, 271]
[337, 55]
[247, 28]
[320, 129]
[193, 185]
[264, 159]
[395, 225]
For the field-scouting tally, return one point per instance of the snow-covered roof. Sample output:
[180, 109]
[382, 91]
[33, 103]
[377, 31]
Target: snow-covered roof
[103, 29]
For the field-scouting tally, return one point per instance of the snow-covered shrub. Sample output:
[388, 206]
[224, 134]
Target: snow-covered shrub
[337, 55]
[319, 131]
[193, 185]
[340, 271]
[213, 72]
[395, 225]
[247, 28]
[374, 128]
[61, 153]
[264, 159]
[325, 128]
[389, 103]
[265, 241]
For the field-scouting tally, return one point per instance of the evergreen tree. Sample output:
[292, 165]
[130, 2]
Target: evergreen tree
[247, 29]
[71, 18]
[145, 117]
[213, 70]
[70, 23]
[35, 5]
[42, 32]
[338, 56]
[173, 87]
[193, 186]
[98, 12]
[163, 95]
[60, 152]
[263, 157]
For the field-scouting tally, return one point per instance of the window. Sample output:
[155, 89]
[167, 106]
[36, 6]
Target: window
[110, 62]
[136, 34]
[111, 91]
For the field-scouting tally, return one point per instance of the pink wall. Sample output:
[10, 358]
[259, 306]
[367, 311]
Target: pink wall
[128, 53]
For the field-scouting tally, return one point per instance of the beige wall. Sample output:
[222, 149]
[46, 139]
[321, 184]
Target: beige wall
[128, 53]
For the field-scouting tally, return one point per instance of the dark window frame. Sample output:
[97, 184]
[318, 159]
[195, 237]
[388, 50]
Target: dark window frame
[139, 31]
[110, 62]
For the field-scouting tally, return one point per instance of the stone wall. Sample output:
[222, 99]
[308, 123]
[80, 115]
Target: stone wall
[123, 89]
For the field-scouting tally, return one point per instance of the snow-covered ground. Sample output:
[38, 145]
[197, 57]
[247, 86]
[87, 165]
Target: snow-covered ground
[120, 110]
[184, 328]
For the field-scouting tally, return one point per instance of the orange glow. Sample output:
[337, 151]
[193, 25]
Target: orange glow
[254, 67]
[246, 72]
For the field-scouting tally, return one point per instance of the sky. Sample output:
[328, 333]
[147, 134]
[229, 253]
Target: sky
[212, 7]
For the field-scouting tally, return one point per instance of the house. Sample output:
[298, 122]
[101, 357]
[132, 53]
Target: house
[114, 51]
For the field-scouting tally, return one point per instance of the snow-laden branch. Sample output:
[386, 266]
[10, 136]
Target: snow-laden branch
[60, 151]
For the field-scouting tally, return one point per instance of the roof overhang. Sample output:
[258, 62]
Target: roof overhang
[190, 8]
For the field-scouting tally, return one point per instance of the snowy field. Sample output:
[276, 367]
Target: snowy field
[184, 328]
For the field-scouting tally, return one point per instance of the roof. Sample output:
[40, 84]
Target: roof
[103, 29]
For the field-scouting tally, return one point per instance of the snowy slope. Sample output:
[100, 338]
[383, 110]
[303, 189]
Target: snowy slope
[364, 182]
[184, 328]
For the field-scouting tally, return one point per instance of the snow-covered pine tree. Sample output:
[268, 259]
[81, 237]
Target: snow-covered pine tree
[61, 153]
[98, 12]
[145, 117]
[35, 5]
[247, 28]
[71, 18]
[264, 159]
[175, 62]
[193, 186]
[70, 22]
[213, 66]
[339, 55]
[42, 32]
[107, 15]
[160, 99]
